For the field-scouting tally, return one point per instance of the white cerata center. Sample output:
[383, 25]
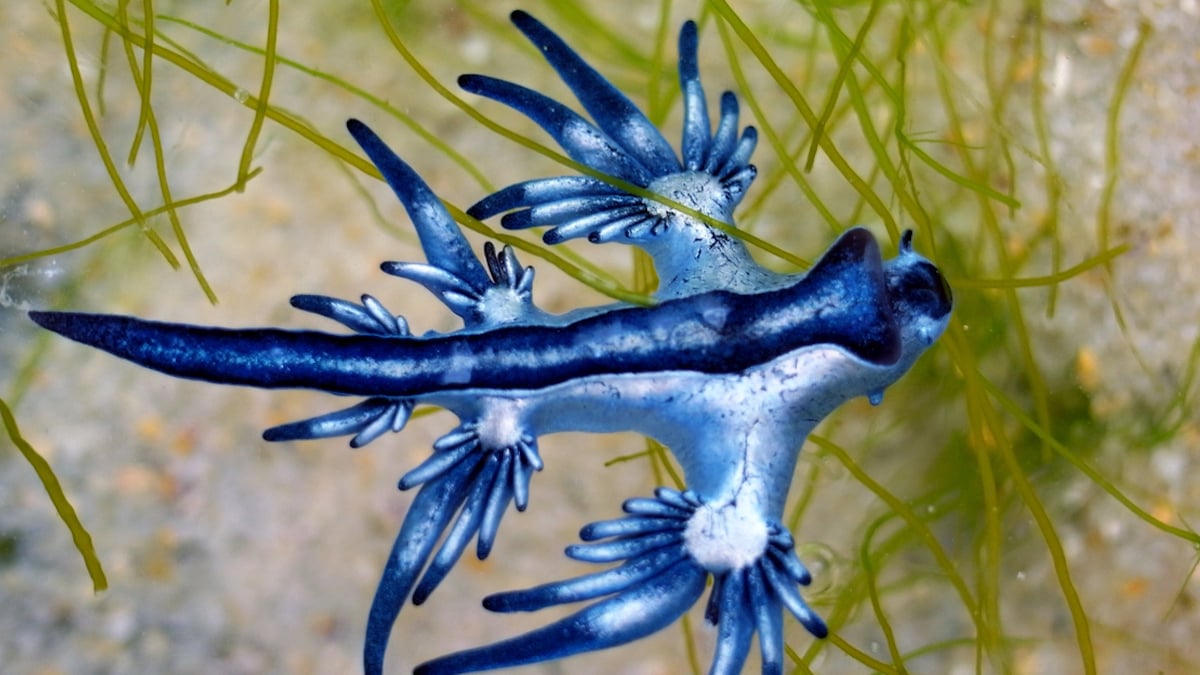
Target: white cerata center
[501, 425]
[725, 537]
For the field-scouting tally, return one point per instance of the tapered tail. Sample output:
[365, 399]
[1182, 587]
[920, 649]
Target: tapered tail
[366, 365]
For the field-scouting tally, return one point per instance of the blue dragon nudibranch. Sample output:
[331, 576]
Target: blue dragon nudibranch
[731, 370]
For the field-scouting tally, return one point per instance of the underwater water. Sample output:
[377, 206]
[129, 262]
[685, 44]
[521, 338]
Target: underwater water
[1019, 503]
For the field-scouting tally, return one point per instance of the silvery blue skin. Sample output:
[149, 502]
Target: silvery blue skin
[731, 370]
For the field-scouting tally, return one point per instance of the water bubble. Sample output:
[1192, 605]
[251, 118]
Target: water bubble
[825, 565]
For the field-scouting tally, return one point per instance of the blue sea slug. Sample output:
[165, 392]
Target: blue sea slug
[730, 369]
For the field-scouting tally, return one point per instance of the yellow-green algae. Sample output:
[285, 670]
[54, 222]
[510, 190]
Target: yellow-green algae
[920, 114]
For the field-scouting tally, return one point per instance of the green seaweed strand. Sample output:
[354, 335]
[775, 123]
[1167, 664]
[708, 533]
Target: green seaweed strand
[79, 534]
[98, 138]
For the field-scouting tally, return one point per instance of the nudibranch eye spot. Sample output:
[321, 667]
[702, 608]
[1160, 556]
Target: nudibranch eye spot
[731, 369]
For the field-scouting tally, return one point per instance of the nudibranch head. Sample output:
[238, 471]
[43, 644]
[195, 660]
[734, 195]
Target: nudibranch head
[921, 298]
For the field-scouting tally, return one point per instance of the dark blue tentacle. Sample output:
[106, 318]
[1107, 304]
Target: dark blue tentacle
[437, 464]
[427, 518]
[781, 572]
[781, 552]
[538, 191]
[497, 500]
[739, 160]
[697, 131]
[633, 227]
[768, 615]
[507, 272]
[657, 506]
[623, 547]
[635, 613]
[726, 136]
[735, 626]
[623, 527]
[574, 210]
[587, 587]
[526, 461]
[612, 110]
[592, 226]
[453, 291]
[583, 141]
[444, 244]
[367, 420]
[370, 318]
[465, 527]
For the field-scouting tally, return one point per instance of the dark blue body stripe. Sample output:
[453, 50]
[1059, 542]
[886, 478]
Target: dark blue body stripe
[841, 302]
